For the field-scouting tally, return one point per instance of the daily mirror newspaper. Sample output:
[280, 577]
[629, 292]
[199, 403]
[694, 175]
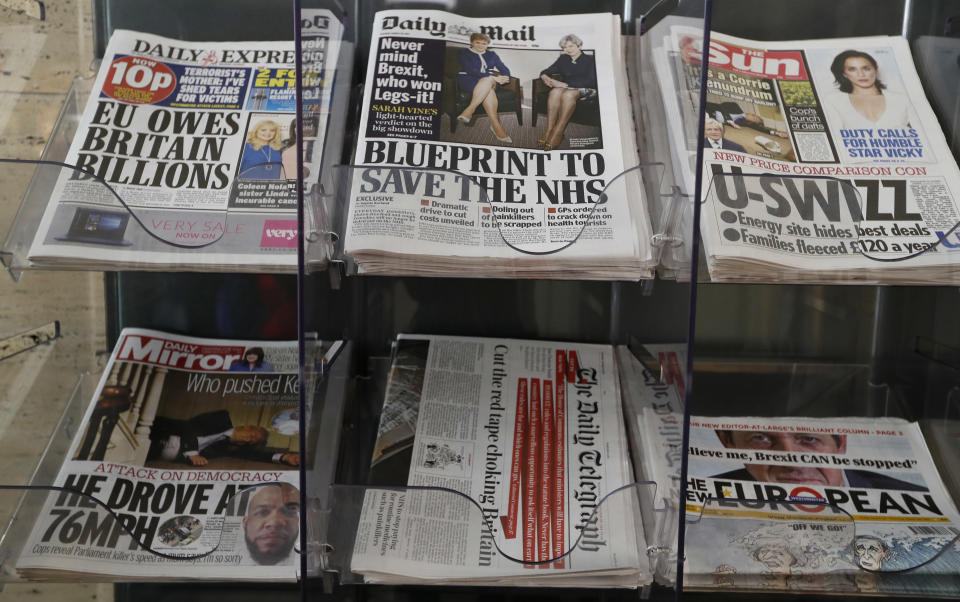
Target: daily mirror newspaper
[841, 504]
[184, 464]
[198, 141]
[496, 144]
[530, 431]
[822, 159]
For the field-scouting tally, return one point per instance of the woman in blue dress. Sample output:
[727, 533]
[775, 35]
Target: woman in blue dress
[264, 145]
[579, 72]
[480, 71]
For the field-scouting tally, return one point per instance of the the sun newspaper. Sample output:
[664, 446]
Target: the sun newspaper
[822, 158]
[532, 433]
[198, 140]
[184, 466]
[838, 504]
[489, 145]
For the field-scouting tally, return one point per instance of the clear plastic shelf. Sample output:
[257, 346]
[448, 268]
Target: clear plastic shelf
[99, 225]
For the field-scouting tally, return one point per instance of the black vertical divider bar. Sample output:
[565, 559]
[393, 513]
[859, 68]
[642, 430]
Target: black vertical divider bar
[692, 305]
[301, 322]
[112, 307]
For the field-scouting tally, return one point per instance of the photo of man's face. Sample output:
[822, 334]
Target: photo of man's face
[272, 523]
[713, 130]
[789, 442]
[247, 435]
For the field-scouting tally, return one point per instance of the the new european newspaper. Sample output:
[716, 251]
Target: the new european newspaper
[839, 504]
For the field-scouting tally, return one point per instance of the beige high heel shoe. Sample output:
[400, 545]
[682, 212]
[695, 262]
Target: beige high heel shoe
[506, 139]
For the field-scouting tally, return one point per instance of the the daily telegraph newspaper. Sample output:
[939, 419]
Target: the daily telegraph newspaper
[190, 446]
[839, 504]
[198, 139]
[495, 145]
[836, 166]
[530, 431]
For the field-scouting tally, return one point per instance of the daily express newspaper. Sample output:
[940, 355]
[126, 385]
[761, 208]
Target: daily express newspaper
[841, 504]
[198, 139]
[192, 445]
[850, 171]
[532, 432]
[469, 111]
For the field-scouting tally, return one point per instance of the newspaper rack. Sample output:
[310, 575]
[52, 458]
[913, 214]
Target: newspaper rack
[329, 539]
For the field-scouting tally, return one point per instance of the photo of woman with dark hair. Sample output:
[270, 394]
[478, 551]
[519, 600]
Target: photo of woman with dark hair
[252, 361]
[571, 78]
[481, 70]
[264, 143]
[289, 155]
[862, 100]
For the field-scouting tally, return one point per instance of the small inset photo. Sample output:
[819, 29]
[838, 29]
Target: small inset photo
[522, 98]
[443, 457]
[180, 531]
[270, 147]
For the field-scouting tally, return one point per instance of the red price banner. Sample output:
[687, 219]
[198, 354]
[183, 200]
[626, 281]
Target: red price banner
[139, 80]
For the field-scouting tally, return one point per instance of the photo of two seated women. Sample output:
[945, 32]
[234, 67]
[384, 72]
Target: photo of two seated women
[537, 99]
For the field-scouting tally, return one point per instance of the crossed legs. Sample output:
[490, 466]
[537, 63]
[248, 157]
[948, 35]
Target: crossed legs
[560, 106]
[484, 93]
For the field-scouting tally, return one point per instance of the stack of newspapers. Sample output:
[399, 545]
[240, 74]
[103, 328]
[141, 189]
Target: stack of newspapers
[653, 402]
[184, 466]
[844, 504]
[517, 464]
[496, 147]
[185, 156]
[823, 160]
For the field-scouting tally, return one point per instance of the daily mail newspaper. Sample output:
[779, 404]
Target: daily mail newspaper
[497, 144]
[532, 433]
[836, 165]
[198, 139]
[841, 504]
[192, 445]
